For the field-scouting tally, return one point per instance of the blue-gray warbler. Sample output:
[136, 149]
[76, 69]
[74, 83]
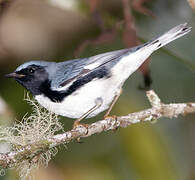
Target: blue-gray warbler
[82, 88]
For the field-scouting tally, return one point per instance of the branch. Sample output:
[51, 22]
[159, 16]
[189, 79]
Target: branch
[31, 152]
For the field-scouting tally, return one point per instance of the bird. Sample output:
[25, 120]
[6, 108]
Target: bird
[83, 88]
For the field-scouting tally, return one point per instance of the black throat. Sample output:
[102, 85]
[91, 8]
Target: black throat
[58, 96]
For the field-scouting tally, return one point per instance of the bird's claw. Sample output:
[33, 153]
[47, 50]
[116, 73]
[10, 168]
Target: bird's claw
[113, 118]
[78, 124]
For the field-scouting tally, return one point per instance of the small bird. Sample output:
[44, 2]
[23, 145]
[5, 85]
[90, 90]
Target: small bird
[83, 88]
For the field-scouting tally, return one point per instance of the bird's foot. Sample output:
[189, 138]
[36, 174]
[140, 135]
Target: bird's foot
[113, 118]
[78, 124]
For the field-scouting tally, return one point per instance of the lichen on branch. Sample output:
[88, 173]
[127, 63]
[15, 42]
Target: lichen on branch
[27, 140]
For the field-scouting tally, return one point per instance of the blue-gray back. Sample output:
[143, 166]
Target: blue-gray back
[72, 69]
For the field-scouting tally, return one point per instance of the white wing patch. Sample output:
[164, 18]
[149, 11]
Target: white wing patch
[92, 65]
[101, 59]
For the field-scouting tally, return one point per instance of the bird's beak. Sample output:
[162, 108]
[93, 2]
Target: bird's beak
[14, 75]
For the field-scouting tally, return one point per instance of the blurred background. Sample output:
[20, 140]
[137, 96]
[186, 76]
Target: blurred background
[58, 30]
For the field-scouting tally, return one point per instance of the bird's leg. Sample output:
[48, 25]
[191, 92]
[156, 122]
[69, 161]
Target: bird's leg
[98, 103]
[112, 104]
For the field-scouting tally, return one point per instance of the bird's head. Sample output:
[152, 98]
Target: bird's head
[32, 74]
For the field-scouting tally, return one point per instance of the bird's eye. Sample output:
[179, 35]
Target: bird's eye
[31, 70]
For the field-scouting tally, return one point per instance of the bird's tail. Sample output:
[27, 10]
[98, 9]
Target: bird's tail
[169, 36]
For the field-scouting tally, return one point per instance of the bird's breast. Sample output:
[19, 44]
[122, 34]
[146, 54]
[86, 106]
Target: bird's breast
[83, 99]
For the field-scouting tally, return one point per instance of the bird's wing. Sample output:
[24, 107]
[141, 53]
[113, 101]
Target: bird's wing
[66, 72]
[102, 59]
[70, 71]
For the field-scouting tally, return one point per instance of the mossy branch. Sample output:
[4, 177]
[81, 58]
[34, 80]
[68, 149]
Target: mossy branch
[29, 150]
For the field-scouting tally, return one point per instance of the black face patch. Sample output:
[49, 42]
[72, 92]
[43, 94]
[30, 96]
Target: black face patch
[34, 77]
[58, 96]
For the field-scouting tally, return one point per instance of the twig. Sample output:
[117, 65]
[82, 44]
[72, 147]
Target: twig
[158, 110]
[129, 34]
[138, 5]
